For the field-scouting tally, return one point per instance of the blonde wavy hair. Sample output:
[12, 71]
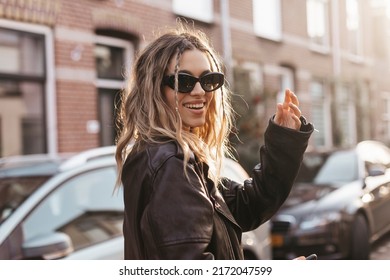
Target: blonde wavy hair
[145, 117]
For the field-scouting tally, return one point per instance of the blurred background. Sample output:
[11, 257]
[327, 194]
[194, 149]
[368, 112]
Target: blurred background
[63, 63]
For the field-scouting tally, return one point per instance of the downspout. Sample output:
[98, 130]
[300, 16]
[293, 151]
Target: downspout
[226, 40]
[336, 57]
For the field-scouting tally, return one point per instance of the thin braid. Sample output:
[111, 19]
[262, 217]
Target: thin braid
[177, 66]
[177, 78]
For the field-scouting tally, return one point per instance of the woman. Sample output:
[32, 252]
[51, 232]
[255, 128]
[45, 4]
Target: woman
[176, 117]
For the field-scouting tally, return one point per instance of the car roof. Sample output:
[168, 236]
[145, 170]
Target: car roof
[27, 165]
[88, 156]
[48, 165]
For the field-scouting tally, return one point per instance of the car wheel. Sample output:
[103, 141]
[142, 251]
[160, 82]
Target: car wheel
[360, 245]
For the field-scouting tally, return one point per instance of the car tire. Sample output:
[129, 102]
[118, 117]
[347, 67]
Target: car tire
[360, 244]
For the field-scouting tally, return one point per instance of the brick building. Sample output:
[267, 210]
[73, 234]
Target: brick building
[62, 63]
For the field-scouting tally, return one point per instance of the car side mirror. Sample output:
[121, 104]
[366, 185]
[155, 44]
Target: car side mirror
[376, 170]
[50, 246]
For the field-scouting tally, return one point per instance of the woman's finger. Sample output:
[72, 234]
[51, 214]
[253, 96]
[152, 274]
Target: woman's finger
[279, 113]
[287, 96]
[295, 109]
[294, 98]
[297, 122]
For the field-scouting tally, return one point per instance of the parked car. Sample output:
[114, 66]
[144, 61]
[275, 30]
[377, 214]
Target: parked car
[64, 207]
[338, 206]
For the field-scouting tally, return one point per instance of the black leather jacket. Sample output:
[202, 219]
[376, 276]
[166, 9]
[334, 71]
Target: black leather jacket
[168, 216]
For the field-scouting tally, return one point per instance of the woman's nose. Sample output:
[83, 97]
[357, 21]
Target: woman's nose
[198, 89]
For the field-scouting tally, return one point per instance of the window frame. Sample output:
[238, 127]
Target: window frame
[112, 84]
[287, 81]
[259, 25]
[326, 109]
[386, 114]
[202, 11]
[315, 46]
[355, 49]
[49, 90]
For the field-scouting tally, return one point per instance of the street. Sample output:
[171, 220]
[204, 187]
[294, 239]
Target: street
[381, 249]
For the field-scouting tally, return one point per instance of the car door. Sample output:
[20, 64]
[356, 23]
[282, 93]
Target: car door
[377, 190]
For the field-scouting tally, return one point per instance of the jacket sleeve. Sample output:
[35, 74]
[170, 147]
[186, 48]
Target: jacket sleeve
[172, 218]
[257, 199]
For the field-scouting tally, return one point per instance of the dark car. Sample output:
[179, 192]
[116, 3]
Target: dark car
[339, 205]
[54, 207]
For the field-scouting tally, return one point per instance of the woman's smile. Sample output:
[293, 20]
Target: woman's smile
[195, 106]
[192, 106]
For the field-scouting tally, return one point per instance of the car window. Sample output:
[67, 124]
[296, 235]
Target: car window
[83, 207]
[374, 153]
[15, 190]
[310, 166]
[340, 167]
[234, 171]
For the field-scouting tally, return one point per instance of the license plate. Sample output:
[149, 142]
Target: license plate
[277, 240]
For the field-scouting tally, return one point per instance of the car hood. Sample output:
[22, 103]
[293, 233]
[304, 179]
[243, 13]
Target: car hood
[308, 198]
[302, 193]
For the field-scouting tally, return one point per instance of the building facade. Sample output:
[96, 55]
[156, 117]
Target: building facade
[63, 62]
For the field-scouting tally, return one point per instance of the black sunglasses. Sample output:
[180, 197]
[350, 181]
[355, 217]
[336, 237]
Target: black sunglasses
[186, 82]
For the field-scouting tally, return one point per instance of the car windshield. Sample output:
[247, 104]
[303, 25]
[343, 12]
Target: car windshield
[340, 167]
[14, 190]
[310, 166]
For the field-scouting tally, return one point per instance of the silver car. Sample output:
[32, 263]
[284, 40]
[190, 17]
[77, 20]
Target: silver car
[64, 207]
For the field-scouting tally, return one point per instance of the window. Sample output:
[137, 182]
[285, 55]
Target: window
[346, 116]
[353, 27]
[201, 10]
[83, 208]
[317, 24]
[386, 115]
[249, 102]
[320, 113]
[339, 167]
[286, 82]
[109, 62]
[23, 82]
[113, 57]
[267, 19]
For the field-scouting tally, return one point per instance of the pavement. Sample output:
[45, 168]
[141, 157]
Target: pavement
[381, 249]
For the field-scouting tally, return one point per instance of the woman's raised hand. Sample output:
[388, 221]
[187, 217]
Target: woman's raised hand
[288, 113]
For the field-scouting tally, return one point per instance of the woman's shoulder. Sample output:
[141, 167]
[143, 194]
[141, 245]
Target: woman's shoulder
[156, 153]
[163, 150]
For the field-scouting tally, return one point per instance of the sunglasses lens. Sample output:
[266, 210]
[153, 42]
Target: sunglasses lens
[212, 81]
[186, 83]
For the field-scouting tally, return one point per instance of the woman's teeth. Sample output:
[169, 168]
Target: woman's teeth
[194, 106]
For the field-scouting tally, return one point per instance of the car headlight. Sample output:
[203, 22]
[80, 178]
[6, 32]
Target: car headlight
[319, 220]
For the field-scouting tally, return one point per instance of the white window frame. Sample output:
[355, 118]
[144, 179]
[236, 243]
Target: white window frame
[346, 105]
[286, 82]
[386, 114]
[129, 52]
[355, 55]
[326, 110]
[323, 47]
[267, 14]
[110, 83]
[49, 87]
[255, 74]
[202, 10]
